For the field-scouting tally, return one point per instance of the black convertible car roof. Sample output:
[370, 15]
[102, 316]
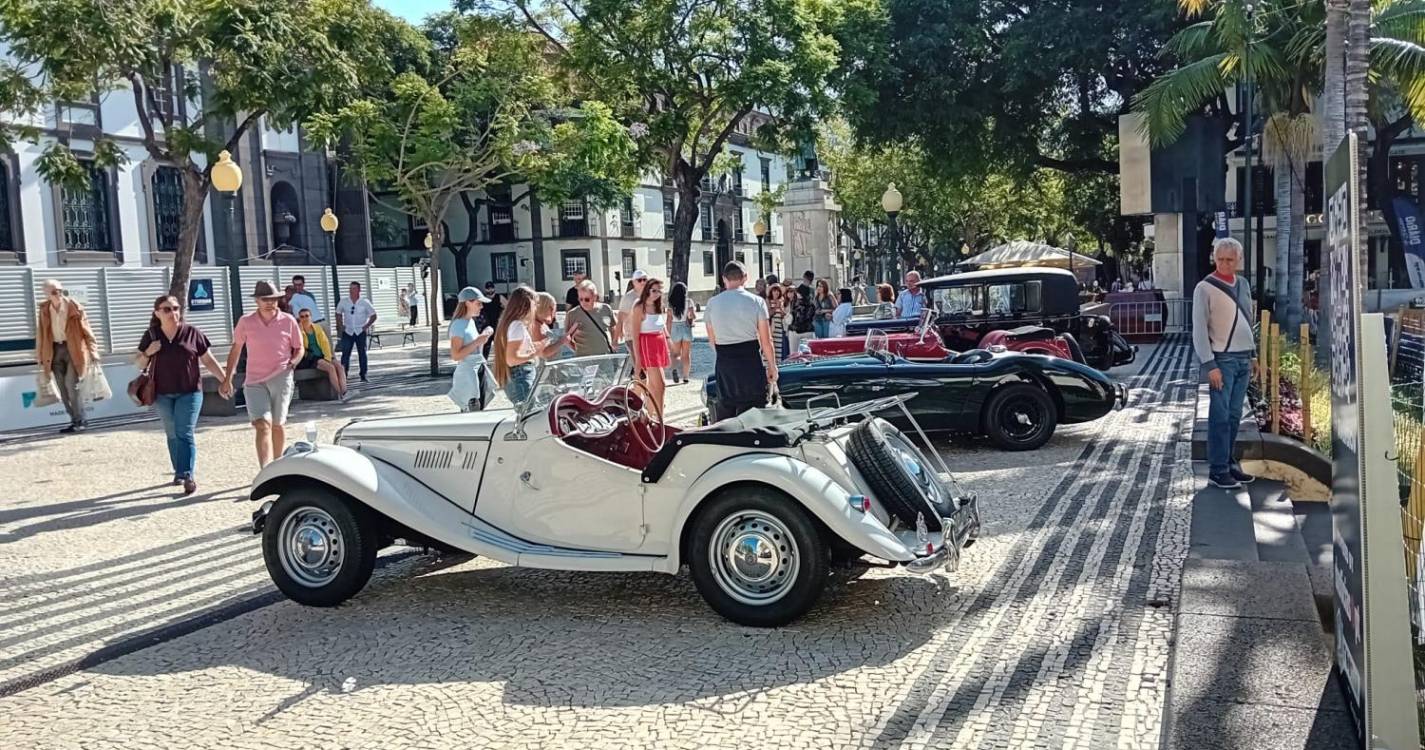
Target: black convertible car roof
[758, 428]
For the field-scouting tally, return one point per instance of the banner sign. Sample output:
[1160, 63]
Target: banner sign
[200, 295]
[1219, 223]
[1372, 627]
[1407, 215]
[18, 394]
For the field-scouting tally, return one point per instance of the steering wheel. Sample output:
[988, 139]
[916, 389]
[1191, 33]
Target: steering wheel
[972, 357]
[646, 412]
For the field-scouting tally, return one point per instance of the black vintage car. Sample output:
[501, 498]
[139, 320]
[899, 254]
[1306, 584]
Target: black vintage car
[970, 305]
[1017, 400]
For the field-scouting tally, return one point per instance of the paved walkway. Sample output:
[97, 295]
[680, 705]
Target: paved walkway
[132, 618]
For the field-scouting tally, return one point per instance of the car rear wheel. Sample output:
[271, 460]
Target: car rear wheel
[319, 548]
[892, 469]
[757, 558]
[1020, 417]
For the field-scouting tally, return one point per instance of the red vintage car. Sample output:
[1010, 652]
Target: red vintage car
[925, 345]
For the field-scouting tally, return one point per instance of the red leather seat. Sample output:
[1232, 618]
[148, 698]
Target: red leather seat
[603, 428]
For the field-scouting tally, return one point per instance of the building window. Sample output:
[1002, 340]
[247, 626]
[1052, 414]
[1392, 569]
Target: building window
[737, 233]
[502, 223]
[574, 261]
[706, 183]
[705, 218]
[1264, 197]
[669, 214]
[573, 219]
[163, 96]
[742, 257]
[766, 174]
[625, 216]
[86, 214]
[630, 262]
[767, 261]
[737, 176]
[167, 185]
[7, 231]
[502, 268]
[708, 263]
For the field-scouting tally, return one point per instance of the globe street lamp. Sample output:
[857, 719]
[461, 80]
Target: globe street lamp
[227, 178]
[329, 224]
[759, 228]
[891, 202]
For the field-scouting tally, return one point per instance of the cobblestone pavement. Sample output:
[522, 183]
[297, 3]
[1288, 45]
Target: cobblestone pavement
[131, 617]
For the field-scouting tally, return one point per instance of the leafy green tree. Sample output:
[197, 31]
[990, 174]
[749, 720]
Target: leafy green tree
[489, 110]
[278, 60]
[1004, 85]
[686, 73]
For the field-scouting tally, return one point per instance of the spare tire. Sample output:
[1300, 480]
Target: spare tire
[878, 451]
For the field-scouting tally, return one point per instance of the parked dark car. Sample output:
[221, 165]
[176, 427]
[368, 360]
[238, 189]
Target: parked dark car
[970, 305]
[1017, 400]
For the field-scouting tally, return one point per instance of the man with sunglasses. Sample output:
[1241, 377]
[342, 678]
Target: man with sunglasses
[592, 315]
[274, 348]
[65, 347]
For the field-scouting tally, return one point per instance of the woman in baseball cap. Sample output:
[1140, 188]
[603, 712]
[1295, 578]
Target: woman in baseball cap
[472, 387]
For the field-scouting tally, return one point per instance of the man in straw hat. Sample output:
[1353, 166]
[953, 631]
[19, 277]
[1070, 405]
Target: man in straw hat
[274, 347]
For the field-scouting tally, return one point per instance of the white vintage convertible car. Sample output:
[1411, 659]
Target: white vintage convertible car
[584, 476]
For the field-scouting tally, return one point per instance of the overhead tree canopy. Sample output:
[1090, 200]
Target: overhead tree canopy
[1018, 85]
[281, 60]
[686, 73]
[479, 107]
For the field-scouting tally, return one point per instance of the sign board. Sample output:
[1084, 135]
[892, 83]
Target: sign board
[18, 393]
[1219, 224]
[200, 295]
[1408, 217]
[1371, 639]
[79, 293]
[383, 283]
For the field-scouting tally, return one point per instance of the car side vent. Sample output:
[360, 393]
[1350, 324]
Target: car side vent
[471, 462]
[434, 459]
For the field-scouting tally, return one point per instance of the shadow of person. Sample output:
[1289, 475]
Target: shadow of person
[556, 638]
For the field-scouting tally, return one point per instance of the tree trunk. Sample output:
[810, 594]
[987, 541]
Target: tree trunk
[536, 240]
[684, 217]
[1281, 187]
[1333, 118]
[434, 302]
[1356, 69]
[1296, 252]
[190, 226]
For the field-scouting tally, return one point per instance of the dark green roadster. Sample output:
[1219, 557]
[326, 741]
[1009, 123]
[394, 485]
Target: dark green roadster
[1016, 400]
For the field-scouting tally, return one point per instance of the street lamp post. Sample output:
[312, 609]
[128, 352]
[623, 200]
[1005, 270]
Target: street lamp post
[329, 225]
[759, 228]
[891, 202]
[226, 176]
[1249, 211]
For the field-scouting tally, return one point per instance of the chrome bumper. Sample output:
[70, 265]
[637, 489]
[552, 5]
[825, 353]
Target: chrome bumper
[961, 529]
[1120, 395]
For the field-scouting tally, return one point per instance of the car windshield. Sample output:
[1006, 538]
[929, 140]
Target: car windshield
[587, 376]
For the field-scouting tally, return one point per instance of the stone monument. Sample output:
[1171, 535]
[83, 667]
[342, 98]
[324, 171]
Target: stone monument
[811, 224]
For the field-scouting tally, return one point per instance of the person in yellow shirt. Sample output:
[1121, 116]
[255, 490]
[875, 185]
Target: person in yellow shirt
[319, 353]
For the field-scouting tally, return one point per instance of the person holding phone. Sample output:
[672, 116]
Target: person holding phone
[472, 387]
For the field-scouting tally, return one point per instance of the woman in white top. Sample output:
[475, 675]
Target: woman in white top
[842, 314]
[650, 355]
[516, 347]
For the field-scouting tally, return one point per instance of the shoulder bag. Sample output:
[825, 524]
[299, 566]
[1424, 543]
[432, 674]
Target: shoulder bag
[143, 389]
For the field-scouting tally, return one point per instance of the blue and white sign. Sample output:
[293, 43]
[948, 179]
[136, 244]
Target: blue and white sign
[200, 295]
[1407, 215]
[1219, 223]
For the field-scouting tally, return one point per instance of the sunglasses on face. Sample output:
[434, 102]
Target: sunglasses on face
[169, 308]
[56, 293]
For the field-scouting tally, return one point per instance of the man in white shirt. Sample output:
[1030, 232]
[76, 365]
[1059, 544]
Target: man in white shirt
[355, 315]
[304, 299]
[741, 337]
[625, 308]
[912, 299]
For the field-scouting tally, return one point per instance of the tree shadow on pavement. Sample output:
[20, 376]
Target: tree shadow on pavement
[557, 638]
[75, 514]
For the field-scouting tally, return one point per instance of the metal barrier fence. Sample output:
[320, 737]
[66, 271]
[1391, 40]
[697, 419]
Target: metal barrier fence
[1147, 320]
[119, 301]
[1407, 368]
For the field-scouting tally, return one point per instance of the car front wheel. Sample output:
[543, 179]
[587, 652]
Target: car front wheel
[1020, 417]
[319, 548]
[756, 557]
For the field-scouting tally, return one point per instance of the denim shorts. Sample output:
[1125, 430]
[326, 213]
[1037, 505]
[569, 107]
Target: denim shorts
[521, 383]
[682, 331]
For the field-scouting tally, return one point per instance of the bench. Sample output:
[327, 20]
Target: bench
[214, 405]
[408, 336]
[314, 385]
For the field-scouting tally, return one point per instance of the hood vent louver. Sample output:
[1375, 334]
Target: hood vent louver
[434, 459]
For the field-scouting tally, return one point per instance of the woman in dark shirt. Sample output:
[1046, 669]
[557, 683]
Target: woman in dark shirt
[173, 349]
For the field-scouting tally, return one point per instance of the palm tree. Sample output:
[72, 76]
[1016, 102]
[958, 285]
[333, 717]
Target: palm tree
[1285, 66]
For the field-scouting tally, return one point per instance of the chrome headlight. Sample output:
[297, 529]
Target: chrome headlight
[299, 448]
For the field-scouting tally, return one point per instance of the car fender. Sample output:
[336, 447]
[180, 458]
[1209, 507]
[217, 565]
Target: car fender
[818, 493]
[381, 487]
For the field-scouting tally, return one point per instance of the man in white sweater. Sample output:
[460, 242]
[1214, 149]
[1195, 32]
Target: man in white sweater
[1222, 313]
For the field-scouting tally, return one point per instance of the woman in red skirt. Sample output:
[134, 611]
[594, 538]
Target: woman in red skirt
[650, 356]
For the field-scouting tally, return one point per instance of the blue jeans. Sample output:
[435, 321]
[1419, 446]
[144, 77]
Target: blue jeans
[1224, 410]
[346, 342]
[520, 384]
[179, 413]
[821, 327]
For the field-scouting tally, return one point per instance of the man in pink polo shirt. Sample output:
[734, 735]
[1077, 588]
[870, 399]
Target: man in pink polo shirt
[274, 347]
